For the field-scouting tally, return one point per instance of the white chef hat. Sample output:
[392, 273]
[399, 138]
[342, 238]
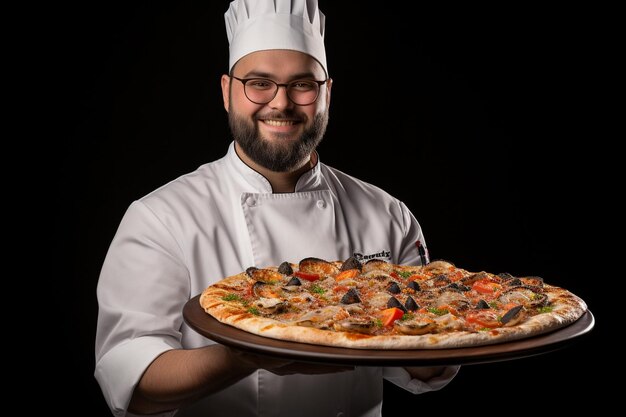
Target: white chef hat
[256, 25]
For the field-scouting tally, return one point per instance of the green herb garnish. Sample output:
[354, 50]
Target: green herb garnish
[438, 311]
[407, 316]
[317, 289]
[405, 274]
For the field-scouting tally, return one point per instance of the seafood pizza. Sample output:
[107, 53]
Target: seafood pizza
[380, 305]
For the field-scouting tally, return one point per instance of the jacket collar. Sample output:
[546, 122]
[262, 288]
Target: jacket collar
[311, 180]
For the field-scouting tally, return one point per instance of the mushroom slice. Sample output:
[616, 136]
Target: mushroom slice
[438, 267]
[449, 322]
[439, 281]
[454, 299]
[320, 318]
[416, 325]
[513, 282]
[470, 279]
[377, 265]
[271, 305]
[378, 299]
[525, 296]
[532, 281]
[263, 290]
[317, 266]
[262, 274]
[505, 276]
[356, 325]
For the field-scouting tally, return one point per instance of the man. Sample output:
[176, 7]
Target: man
[269, 199]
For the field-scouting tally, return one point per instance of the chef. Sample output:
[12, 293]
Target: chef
[269, 199]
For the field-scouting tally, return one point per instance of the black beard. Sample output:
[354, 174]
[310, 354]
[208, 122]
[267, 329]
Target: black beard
[277, 157]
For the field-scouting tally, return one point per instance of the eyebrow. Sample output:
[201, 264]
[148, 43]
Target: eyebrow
[299, 76]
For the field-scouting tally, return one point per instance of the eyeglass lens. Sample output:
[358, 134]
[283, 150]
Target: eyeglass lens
[262, 91]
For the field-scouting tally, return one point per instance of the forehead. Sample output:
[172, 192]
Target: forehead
[280, 63]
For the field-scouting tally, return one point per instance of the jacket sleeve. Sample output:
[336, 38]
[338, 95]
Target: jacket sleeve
[409, 252]
[142, 288]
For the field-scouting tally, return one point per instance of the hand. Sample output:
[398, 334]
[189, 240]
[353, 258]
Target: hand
[280, 366]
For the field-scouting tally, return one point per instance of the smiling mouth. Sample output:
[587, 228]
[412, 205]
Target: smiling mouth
[279, 122]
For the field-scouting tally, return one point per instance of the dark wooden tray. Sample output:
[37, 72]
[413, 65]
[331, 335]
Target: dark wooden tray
[209, 327]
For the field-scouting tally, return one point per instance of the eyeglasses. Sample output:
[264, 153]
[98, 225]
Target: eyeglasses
[262, 90]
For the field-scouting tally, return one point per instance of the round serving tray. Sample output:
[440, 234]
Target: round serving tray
[209, 327]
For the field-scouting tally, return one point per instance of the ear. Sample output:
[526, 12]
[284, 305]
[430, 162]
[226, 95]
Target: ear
[329, 85]
[226, 91]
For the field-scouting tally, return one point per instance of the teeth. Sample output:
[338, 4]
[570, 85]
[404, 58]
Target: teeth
[279, 122]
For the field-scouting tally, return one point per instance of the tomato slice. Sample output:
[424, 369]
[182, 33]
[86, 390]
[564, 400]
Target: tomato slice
[389, 315]
[348, 273]
[483, 318]
[486, 286]
[307, 276]
[341, 288]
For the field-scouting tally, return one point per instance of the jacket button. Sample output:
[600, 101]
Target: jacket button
[250, 201]
[321, 203]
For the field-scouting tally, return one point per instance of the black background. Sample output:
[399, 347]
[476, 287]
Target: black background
[490, 123]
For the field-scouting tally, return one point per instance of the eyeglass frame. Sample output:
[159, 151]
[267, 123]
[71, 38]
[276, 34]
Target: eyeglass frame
[278, 85]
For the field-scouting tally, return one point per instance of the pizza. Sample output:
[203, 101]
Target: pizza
[380, 305]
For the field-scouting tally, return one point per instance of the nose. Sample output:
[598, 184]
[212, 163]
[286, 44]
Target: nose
[281, 100]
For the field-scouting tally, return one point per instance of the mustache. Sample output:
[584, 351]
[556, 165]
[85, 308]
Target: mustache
[279, 115]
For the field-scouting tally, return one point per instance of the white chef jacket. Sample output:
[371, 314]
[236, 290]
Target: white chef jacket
[215, 222]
